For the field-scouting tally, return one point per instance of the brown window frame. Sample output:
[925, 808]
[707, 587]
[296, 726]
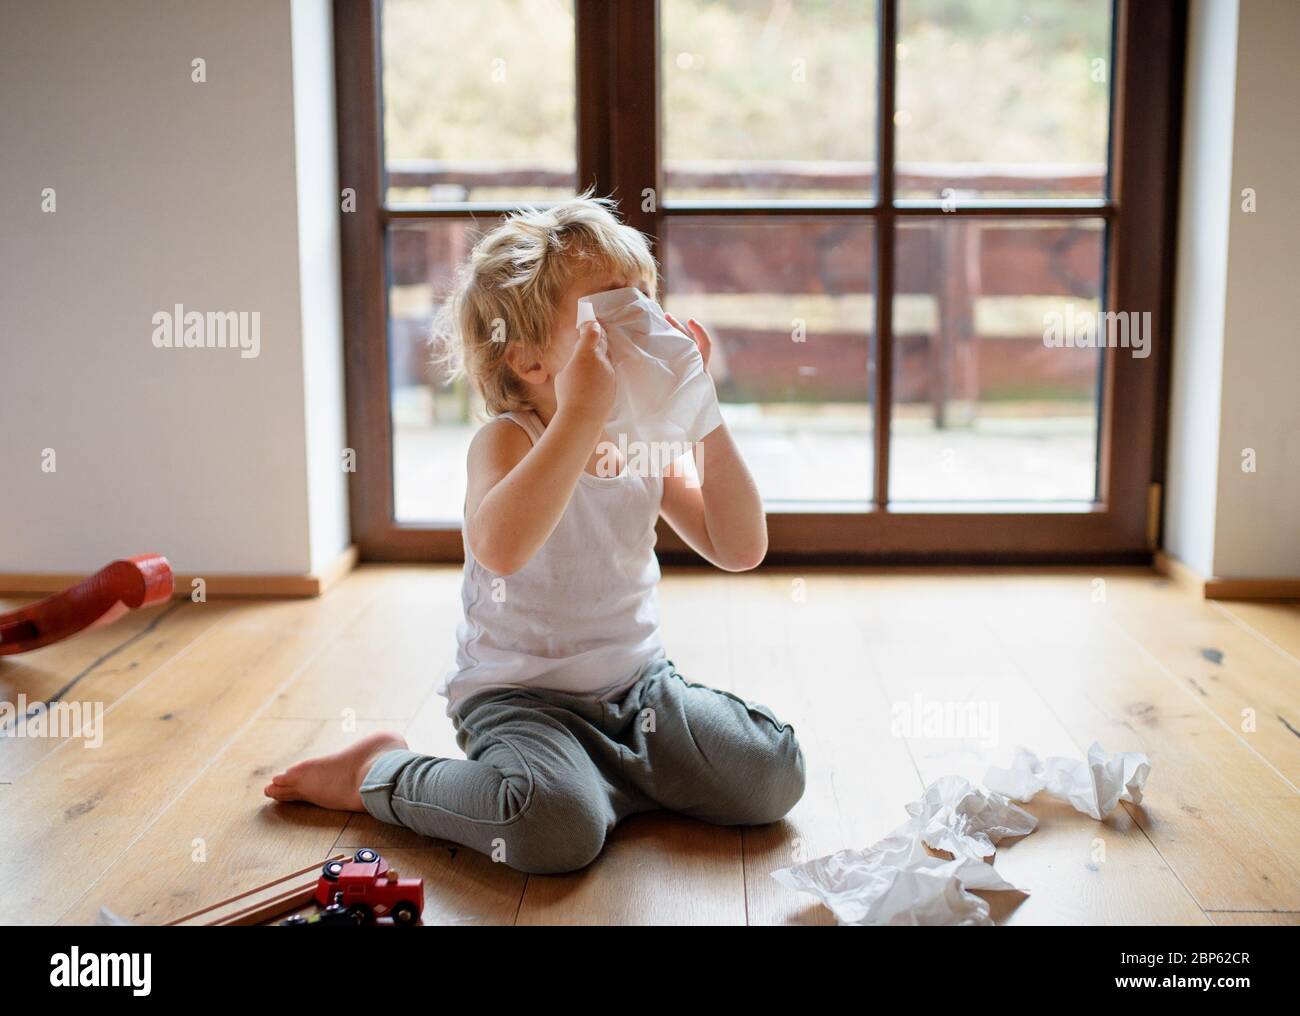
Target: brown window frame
[619, 153]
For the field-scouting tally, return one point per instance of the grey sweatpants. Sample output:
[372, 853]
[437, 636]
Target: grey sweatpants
[548, 775]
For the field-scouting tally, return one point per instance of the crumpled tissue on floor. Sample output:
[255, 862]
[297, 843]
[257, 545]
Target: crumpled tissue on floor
[1093, 787]
[897, 881]
[964, 821]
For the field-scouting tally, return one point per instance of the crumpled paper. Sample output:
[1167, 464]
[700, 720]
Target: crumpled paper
[963, 821]
[864, 887]
[664, 395]
[898, 881]
[1093, 787]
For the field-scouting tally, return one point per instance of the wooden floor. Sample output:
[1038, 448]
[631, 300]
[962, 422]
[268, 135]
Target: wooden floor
[204, 701]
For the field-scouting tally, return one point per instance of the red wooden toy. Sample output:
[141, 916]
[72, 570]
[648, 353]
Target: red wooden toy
[101, 599]
[364, 889]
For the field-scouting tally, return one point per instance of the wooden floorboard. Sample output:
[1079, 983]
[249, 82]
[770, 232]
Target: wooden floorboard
[43, 672]
[1277, 624]
[220, 836]
[203, 701]
[1248, 683]
[385, 664]
[1222, 817]
[100, 671]
[1247, 917]
[83, 808]
[793, 639]
[1076, 870]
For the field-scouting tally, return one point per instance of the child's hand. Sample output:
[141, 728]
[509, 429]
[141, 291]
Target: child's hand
[586, 386]
[696, 332]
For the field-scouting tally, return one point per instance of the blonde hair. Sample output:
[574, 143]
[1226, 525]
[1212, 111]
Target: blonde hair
[509, 288]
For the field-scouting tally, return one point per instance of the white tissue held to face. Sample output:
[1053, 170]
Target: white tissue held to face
[1093, 786]
[664, 397]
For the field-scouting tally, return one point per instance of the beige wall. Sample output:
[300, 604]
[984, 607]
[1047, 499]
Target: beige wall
[212, 195]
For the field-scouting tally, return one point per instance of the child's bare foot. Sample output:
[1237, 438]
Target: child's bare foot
[333, 781]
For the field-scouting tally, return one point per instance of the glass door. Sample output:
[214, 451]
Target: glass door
[929, 238]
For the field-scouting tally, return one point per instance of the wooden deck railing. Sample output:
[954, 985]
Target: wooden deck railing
[953, 261]
[459, 181]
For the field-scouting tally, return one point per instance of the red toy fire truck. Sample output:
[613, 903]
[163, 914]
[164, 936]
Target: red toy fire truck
[363, 890]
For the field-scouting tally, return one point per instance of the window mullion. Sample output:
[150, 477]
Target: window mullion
[635, 151]
[594, 76]
[886, 49]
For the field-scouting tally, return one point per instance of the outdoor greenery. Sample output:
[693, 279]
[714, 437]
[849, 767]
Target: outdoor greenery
[996, 81]
[482, 80]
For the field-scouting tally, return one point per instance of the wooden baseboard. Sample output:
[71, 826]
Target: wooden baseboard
[337, 569]
[218, 587]
[1181, 575]
[1252, 589]
[1215, 588]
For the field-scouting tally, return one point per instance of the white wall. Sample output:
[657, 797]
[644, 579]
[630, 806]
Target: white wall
[316, 164]
[168, 191]
[1236, 376]
[1201, 273]
[1258, 527]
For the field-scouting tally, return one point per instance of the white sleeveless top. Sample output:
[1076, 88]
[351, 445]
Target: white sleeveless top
[582, 616]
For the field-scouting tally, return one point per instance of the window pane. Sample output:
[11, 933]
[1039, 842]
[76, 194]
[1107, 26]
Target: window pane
[1005, 99]
[479, 100]
[984, 408]
[788, 302]
[768, 99]
[433, 422]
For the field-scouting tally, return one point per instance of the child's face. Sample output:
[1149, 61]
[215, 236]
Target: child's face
[564, 330]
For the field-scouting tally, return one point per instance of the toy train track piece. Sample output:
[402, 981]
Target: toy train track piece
[101, 599]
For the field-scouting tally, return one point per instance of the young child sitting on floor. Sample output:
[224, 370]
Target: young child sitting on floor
[569, 713]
